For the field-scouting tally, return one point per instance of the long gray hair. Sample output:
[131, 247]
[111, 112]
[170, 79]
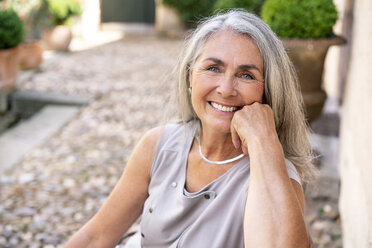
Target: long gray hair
[281, 87]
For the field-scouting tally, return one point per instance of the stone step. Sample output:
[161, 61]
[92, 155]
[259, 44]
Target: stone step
[6, 120]
[25, 103]
[30, 133]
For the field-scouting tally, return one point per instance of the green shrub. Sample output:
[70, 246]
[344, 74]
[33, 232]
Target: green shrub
[63, 10]
[191, 11]
[34, 15]
[11, 29]
[300, 18]
[253, 6]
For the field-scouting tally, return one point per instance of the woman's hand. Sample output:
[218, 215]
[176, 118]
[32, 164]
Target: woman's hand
[252, 124]
[275, 203]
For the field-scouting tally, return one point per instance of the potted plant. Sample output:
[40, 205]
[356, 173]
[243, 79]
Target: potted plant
[173, 17]
[34, 16]
[167, 20]
[11, 35]
[306, 29]
[59, 36]
[190, 11]
[252, 6]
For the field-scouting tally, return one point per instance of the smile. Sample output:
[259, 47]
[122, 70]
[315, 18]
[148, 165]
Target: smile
[223, 108]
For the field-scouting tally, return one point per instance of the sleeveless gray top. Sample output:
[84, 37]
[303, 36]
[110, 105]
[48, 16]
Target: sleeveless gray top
[212, 217]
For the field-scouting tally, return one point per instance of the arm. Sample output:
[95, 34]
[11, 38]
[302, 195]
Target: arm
[125, 203]
[274, 214]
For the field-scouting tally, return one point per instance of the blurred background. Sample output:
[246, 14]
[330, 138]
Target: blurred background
[82, 80]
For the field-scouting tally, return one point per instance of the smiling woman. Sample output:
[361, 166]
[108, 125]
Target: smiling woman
[223, 79]
[230, 175]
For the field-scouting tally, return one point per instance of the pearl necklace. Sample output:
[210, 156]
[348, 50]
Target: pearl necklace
[218, 162]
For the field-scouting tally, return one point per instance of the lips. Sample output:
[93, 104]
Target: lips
[223, 108]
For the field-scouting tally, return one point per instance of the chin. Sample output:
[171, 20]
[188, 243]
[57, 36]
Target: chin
[218, 126]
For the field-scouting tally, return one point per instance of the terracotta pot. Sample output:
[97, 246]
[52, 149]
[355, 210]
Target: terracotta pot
[57, 38]
[30, 55]
[308, 58]
[8, 68]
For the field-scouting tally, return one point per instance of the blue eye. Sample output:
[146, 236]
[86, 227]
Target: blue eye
[247, 76]
[213, 69]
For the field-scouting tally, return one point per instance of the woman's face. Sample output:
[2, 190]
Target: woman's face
[227, 75]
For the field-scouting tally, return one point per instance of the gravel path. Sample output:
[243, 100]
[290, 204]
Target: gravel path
[58, 186]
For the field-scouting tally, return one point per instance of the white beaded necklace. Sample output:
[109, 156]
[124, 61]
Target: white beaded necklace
[218, 162]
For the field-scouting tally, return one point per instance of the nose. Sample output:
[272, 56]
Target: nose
[226, 86]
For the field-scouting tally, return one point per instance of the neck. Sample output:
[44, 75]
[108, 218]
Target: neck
[218, 146]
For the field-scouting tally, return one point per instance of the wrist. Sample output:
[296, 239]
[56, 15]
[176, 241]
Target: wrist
[267, 144]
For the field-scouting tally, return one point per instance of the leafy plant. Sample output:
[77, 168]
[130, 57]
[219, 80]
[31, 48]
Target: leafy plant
[11, 29]
[63, 10]
[191, 11]
[300, 18]
[253, 6]
[34, 15]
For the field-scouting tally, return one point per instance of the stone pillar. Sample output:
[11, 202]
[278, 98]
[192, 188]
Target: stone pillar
[356, 134]
[90, 19]
[331, 74]
[167, 21]
[344, 54]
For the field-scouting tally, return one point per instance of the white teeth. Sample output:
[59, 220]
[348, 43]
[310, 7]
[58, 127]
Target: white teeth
[223, 108]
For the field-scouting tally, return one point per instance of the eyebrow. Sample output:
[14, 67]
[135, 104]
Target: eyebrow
[245, 66]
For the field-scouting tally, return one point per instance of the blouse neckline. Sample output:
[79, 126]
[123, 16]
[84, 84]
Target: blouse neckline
[185, 153]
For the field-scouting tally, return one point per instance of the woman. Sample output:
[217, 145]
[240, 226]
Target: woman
[231, 174]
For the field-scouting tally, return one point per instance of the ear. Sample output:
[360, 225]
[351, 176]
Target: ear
[190, 78]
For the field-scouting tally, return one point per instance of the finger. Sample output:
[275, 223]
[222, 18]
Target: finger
[244, 149]
[234, 136]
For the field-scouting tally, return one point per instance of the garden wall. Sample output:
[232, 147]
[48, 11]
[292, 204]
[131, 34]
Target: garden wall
[356, 134]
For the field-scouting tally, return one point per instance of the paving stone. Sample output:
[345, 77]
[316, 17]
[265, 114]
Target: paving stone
[25, 212]
[23, 137]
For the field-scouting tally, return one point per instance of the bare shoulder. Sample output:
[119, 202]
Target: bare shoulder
[144, 151]
[147, 144]
[151, 137]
